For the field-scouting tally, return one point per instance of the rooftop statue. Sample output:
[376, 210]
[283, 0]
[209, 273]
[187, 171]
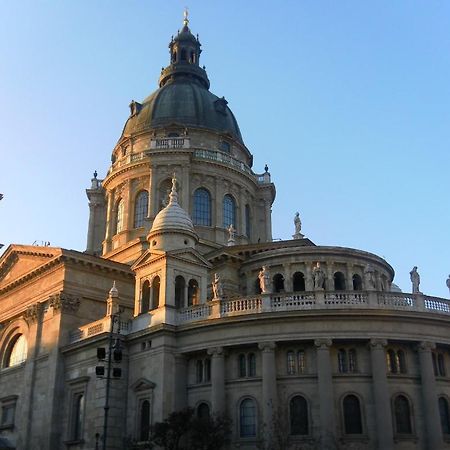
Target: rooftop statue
[298, 227]
[448, 283]
[231, 234]
[217, 287]
[369, 277]
[415, 280]
[264, 280]
[319, 276]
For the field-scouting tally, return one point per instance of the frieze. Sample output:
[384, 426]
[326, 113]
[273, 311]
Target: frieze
[65, 302]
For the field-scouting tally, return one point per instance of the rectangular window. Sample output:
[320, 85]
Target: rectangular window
[8, 413]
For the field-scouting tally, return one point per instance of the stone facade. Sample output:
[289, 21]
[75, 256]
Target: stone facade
[345, 363]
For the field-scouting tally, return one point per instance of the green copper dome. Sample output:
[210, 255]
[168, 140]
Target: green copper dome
[183, 97]
[186, 103]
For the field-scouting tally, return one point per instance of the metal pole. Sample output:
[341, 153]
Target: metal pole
[108, 381]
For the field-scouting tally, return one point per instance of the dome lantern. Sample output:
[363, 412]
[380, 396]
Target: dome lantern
[184, 57]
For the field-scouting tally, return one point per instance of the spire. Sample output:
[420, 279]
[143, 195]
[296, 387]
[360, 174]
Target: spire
[185, 19]
[114, 291]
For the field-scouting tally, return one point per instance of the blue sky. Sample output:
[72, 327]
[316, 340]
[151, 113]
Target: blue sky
[347, 102]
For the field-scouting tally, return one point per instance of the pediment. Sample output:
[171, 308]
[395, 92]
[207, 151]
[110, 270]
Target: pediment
[142, 384]
[18, 261]
[188, 255]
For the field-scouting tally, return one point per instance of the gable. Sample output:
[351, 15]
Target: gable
[18, 262]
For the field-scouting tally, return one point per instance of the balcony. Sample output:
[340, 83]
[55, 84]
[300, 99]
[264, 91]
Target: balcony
[318, 300]
[170, 143]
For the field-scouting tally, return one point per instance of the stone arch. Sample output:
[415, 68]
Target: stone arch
[339, 281]
[298, 282]
[278, 282]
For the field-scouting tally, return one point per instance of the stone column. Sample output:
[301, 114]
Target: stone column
[242, 203]
[269, 386]
[128, 210]
[287, 277]
[429, 398]
[217, 379]
[268, 217]
[329, 283]
[109, 216]
[383, 415]
[309, 282]
[349, 281]
[185, 200]
[153, 197]
[326, 396]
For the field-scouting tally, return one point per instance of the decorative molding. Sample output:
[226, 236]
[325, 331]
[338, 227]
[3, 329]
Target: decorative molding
[64, 302]
[378, 343]
[216, 352]
[33, 312]
[323, 344]
[267, 346]
[426, 346]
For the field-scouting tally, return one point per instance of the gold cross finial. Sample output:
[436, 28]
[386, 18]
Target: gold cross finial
[186, 14]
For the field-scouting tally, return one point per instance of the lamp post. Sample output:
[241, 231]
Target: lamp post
[114, 353]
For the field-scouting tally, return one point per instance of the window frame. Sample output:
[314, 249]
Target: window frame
[307, 415]
[78, 386]
[229, 211]
[344, 417]
[140, 209]
[397, 434]
[120, 216]
[240, 418]
[7, 404]
[202, 207]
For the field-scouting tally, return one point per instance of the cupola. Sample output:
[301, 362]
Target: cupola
[184, 58]
[172, 228]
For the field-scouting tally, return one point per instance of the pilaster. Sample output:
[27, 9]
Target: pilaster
[381, 394]
[217, 379]
[429, 398]
[326, 395]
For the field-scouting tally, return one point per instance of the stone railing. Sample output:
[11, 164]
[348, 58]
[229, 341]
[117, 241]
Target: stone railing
[100, 326]
[170, 142]
[318, 300]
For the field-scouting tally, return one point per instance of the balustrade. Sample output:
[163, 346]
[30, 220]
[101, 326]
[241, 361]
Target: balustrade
[297, 301]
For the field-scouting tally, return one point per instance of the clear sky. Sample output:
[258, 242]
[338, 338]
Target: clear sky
[348, 102]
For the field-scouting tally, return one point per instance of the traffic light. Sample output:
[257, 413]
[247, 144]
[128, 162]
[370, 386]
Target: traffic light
[101, 353]
[117, 372]
[100, 371]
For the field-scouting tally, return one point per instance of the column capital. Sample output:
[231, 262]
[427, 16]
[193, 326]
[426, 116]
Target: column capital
[378, 343]
[216, 352]
[426, 346]
[180, 358]
[267, 346]
[323, 343]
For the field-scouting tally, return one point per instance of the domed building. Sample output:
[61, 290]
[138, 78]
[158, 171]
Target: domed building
[302, 346]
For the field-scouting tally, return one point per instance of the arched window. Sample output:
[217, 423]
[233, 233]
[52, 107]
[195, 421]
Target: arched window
[77, 417]
[156, 284]
[357, 282]
[120, 216]
[251, 365]
[140, 209]
[174, 57]
[298, 281]
[193, 293]
[339, 281]
[199, 371]
[144, 431]
[247, 418]
[183, 54]
[192, 57]
[342, 361]
[203, 411]
[298, 409]
[402, 415]
[278, 283]
[444, 415]
[180, 287]
[16, 352]
[145, 297]
[352, 415]
[202, 207]
[229, 211]
[248, 225]
[290, 361]
[242, 366]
